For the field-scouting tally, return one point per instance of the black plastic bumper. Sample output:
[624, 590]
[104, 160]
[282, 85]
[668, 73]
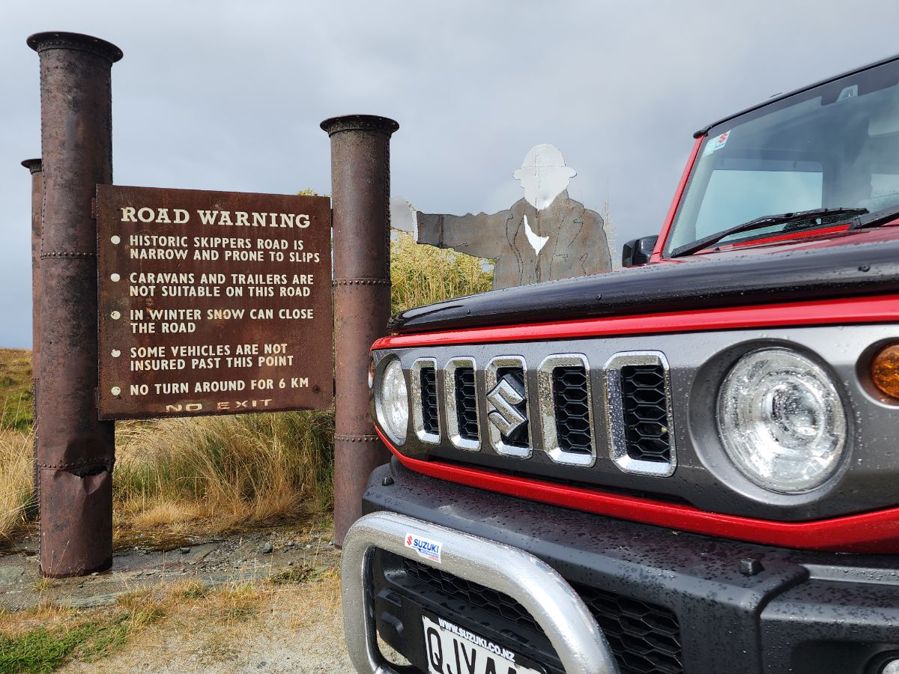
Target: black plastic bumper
[667, 601]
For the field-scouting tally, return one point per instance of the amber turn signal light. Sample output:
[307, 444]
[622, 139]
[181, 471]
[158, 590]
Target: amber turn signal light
[885, 370]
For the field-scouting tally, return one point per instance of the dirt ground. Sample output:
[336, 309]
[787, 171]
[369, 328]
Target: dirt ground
[268, 601]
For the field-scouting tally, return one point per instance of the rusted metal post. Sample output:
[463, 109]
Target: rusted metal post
[34, 166]
[75, 451]
[360, 198]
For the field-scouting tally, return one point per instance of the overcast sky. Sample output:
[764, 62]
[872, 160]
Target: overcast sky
[228, 95]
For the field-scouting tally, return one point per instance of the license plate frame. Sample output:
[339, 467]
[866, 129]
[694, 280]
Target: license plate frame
[457, 643]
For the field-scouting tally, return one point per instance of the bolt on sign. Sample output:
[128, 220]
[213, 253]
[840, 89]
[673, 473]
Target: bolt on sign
[212, 302]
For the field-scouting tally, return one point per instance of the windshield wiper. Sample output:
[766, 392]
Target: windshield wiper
[798, 219]
[877, 218]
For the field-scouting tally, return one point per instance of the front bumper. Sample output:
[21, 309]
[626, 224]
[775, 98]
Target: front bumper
[666, 601]
[556, 608]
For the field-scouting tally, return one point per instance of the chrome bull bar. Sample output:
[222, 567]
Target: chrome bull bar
[554, 605]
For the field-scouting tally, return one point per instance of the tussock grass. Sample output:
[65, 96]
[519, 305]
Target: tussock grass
[423, 274]
[179, 477]
[16, 439]
[232, 471]
[175, 477]
[190, 589]
[205, 475]
[15, 479]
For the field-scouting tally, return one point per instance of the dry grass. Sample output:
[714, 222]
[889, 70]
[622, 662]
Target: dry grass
[292, 627]
[44, 638]
[209, 475]
[222, 473]
[15, 439]
[201, 625]
[175, 477]
[423, 274]
[45, 614]
[15, 479]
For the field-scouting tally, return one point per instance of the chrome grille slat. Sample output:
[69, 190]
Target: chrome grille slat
[640, 419]
[576, 445]
[425, 418]
[429, 413]
[462, 403]
[466, 403]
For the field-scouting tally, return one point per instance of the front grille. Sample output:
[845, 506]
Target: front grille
[644, 637]
[572, 409]
[466, 403]
[551, 411]
[459, 589]
[428, 379]
[645, 413]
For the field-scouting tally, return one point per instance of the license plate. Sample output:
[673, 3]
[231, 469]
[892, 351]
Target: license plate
[454, 650]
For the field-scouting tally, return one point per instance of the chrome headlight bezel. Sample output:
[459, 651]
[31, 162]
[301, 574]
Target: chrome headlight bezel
[391, 396]
[782, 421]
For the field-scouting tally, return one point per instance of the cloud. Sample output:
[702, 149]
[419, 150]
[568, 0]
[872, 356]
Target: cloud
[228, 94]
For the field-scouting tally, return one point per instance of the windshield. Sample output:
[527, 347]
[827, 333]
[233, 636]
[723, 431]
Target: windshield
[833, 146]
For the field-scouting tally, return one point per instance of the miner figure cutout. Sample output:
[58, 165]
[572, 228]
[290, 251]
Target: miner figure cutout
[544, 236]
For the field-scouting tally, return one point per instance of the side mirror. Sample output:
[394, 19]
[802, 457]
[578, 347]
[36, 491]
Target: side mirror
[637, 252]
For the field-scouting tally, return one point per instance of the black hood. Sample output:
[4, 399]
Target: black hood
[702, 282]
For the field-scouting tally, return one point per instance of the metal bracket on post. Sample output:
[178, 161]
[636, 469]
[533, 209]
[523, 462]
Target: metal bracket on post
[75, 450]
[360, 198]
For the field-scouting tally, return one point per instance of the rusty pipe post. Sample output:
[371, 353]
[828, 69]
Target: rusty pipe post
[34, 166]
[76, 452]
[360, 198]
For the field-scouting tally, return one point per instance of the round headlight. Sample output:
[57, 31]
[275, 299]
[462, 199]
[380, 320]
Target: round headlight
[781, 420]
[392, 402]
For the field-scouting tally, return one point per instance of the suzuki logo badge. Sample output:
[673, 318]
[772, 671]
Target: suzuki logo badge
[505, 397]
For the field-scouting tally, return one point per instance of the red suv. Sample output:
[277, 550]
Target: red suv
[689, 466]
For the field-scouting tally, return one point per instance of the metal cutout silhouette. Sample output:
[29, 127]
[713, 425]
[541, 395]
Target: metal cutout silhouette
[544, 236]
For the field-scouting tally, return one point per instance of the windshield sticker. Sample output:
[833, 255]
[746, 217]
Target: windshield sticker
[425, 547]
[715, 144]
